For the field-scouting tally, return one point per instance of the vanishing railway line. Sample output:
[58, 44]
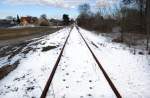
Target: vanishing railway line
[48, 83]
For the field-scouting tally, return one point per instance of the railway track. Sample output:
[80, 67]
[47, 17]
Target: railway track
[48, 83]
[118, 95]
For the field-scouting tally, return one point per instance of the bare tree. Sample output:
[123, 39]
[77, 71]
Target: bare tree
[9, 17]
[148, 22]
[84, 8]
[84, 15]
[144, 7]
[43, 16]
[43, 20]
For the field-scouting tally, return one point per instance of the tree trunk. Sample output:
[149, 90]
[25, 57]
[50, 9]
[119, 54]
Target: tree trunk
[141, 4]
[148, 22]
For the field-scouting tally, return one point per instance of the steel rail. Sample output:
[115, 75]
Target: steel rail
[118, 95]
[48, 83]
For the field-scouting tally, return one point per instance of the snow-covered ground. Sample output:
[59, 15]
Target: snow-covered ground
[130, 73]
[29, 78]
[78, 75]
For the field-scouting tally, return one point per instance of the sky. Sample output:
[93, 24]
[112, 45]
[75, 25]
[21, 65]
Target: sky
[52, 8]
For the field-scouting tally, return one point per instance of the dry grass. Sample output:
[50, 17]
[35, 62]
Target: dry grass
[10, 33]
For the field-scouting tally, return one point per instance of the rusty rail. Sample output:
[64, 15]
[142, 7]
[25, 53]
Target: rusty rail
[48, 83]
[118, 95]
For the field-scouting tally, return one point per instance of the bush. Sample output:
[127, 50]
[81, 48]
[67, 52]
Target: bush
[44, 22]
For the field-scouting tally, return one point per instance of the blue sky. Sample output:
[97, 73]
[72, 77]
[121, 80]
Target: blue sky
[52, 8]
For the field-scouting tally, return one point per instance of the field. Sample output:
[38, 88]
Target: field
[15, 35]
[9, 33]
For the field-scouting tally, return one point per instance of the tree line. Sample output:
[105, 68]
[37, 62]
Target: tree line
[132, 16]
[43, 20]
[94, 21]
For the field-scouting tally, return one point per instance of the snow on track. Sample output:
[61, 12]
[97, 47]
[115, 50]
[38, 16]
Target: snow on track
[78, 75]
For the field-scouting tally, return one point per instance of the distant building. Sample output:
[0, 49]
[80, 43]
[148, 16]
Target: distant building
[28, 20]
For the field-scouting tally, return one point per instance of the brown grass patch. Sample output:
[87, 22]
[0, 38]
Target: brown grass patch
[10, 33]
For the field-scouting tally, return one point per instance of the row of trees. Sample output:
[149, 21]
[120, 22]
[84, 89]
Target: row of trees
[94, 21]
[133, 16]
[137, 18]
[43, 20]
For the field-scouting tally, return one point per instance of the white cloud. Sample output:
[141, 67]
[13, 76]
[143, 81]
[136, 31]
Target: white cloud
[56, 3]
[62, 3]
[105, 3]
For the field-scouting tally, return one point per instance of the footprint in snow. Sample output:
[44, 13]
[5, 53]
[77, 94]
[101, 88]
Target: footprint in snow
[67, 86]
[67, 74]
[90, 80]
[64, 80]
[90, 95]
[81, 97]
